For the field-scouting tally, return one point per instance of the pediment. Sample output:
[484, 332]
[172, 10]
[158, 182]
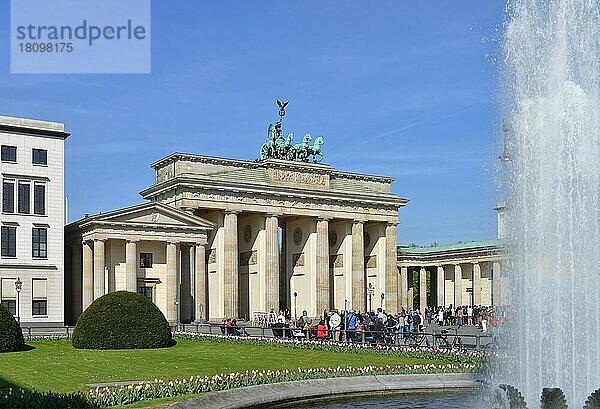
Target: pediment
[154, 214]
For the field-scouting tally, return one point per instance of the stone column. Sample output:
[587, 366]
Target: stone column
[131, 265]
[231, 266]
[457, 285]
[322, 255]
[476, 284]
[99, 266]
[441, 299]
[171, 282]
[200, 283]
[359, 291]
[404, 288]
[88, 275]
[284, 287]
[496, 285]
[391, 270]
[77, 277]
[192, 281]
[271, 263]
[422, 290]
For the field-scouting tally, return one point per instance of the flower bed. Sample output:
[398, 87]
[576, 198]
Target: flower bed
[120, 395]
[454, 355]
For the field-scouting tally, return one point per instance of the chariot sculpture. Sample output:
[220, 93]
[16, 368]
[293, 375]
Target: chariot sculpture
[279, 147]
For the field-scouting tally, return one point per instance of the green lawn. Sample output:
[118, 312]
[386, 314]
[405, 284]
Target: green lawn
[57, 366]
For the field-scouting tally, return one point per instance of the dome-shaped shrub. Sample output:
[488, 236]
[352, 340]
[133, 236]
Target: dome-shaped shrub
[11, 336]
[122, 320]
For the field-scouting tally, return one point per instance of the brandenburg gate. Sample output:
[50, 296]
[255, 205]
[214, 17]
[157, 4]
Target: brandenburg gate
[221, 238]
[289, 232]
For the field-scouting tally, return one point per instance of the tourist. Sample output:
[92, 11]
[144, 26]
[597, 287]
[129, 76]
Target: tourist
[440, 316]
[335, 322]
[381, 315]
[378, 331]
[322, 331]
[459, 316]
[417, 321]
[303, 321]
[351, 325]
[237, 330]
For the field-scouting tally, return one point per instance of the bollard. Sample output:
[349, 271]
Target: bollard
[197, 328]
[362, 336]
[210, 329]
[68, 335]
[477, 341]
[262, 332]
[307, 333]
[28, 332]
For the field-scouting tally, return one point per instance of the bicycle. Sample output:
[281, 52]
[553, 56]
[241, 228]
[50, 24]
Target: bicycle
[416, 339]
[441, 340]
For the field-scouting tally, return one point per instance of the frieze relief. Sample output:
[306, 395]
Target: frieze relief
[298, 259]
[248, 258]
[371, 262]
[305, 178]
[212, 256]
[336, 260]
[296, 203]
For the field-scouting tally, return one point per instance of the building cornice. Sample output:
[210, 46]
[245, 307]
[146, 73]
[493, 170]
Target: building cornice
[381, 199]
[270, 163]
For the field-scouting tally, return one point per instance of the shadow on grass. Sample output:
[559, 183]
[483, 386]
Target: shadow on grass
[14, 396]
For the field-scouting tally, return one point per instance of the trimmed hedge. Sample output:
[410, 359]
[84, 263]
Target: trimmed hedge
[122, 320]
[11, 335]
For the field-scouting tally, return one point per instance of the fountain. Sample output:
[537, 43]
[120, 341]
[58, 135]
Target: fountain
[551, 98]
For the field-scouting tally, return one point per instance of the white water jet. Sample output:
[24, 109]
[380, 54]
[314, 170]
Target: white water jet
[551, 97]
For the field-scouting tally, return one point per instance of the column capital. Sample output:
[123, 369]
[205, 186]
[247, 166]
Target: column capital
[100, 240]
[392, 224]
[475, 264]
[235, 212]
[272, 214]
[175, 242]
[358, 221]
[323, 219]
[132, 240]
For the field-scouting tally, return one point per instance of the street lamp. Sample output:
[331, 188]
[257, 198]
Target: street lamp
[381, 304]
[177, 311]
[295, 305]
[18, 288]
[370, 292]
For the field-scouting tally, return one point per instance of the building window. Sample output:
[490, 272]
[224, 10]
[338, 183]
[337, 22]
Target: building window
[24, 193]
[9, 153]
[9, 241]
[39, 199]
[40, 157]
[39, 238]
[8, 197]
[8, 295]
[146, 292]
[145, 260]
[40, 301]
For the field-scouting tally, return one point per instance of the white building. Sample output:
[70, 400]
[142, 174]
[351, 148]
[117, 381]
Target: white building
[32, 233]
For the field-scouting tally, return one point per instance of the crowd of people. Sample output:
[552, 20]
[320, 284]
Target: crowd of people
[379, 325]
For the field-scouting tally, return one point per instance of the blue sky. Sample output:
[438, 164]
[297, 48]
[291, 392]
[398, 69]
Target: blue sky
[402, 89]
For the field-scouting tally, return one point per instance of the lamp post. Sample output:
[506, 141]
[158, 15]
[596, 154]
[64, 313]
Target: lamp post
[381, 303]
[18, 288]
[177, 310]
[370, 292]
[295, 305]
